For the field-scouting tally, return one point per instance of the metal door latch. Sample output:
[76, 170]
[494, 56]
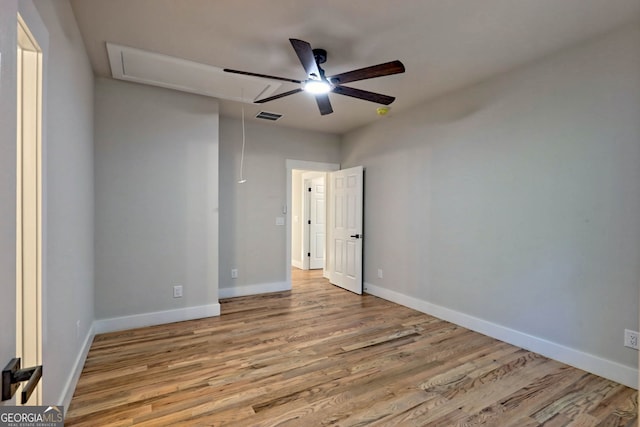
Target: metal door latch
[12, 376]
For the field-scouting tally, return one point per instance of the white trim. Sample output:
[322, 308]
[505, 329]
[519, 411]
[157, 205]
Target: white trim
[261, 288]
[306, 166]
[305, 200]
[31, 17]
[297, 264]
[614, 371]
[306, 180]
[155, 318]
[70, 386]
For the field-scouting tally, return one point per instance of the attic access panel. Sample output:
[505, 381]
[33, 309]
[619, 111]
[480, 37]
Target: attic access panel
[140, 66]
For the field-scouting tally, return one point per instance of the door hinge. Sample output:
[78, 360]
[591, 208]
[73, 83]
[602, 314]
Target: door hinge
[309, 222]
[309, 189]
[309, 254]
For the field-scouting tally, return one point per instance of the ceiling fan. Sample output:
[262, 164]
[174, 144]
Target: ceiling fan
[320, 85]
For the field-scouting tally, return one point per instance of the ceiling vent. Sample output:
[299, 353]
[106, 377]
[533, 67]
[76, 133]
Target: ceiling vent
[268, 116]
[155, 69]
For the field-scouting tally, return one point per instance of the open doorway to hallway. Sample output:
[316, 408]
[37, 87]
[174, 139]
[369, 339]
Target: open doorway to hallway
[291, 167]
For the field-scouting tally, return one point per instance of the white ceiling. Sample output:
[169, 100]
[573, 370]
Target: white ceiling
[444, 44]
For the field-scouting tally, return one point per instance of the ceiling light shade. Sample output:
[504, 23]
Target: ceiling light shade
[317, 87]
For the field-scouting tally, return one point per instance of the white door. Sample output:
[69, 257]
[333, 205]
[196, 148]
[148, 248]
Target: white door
[346, 208]
[317, 223]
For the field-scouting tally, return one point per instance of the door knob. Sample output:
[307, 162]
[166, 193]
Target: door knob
[12, 376]
[357, 236]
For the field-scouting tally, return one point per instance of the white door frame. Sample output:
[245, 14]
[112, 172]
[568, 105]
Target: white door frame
[307, 166]
[304, 223]
[29, 204]
[307, 178]
[8, 145]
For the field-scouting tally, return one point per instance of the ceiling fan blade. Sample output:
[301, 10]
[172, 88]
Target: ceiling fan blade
[305, 55]
[364, 94]
[278, 96]
[265, 76]
[324, 105]
[380, 70]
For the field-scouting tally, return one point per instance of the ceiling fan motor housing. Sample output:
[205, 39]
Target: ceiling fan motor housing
[320, 55]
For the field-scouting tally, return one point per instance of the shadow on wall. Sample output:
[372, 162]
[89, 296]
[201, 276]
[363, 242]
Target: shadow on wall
[410, 125]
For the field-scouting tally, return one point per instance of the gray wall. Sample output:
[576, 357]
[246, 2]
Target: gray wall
[251, 241]
[68, 188]
[8, 43]
[68, 204]
[516, 201]
[156, 157]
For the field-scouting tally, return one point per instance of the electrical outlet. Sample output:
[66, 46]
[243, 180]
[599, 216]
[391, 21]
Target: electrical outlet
[631, 339]
[379, 273]
[234, 273]
[177, 291]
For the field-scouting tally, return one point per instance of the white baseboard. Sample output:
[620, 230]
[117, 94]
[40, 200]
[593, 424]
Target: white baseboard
[297, 264]
[72, 381]
[155, 318]
[588, 362]
[261, 288]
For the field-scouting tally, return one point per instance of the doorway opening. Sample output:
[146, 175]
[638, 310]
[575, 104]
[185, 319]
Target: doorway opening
[308, 167]
[29, 203]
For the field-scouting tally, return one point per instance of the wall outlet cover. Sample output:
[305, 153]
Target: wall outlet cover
[631, 339]
[177, 291]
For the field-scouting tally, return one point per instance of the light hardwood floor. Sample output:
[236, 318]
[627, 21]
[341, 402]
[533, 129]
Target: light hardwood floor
[320, 356]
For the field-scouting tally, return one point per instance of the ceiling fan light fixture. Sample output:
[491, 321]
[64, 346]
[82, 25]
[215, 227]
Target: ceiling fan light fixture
[317, 87]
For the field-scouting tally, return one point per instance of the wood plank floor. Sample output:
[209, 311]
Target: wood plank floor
[320, 356]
